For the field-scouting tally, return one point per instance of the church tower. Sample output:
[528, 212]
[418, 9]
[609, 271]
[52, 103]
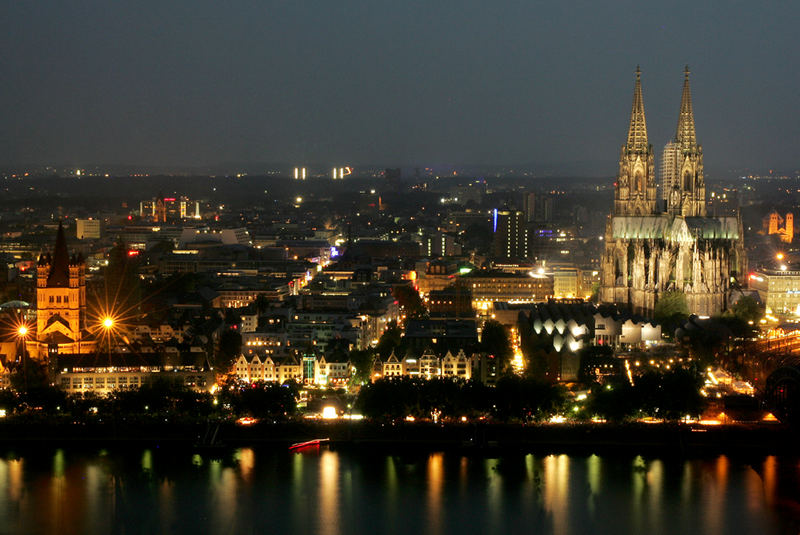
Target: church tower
[687, 195]
[648, 251]
[61, 303]
[636, 192]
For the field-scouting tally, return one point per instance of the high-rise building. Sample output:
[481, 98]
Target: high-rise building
[87, 229]
[164, 209]
[649, 251]
[441, 244]
[529, 206]
[510, 238]
[668, 168]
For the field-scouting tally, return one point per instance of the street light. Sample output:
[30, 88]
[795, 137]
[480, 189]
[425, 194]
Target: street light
[108, 324]
[22, 334]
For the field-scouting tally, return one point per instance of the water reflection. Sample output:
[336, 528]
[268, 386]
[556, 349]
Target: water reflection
[435, 476]
[246, 463]
[328, 520]
[332, 493]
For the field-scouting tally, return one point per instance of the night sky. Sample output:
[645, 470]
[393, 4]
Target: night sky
[193, 82]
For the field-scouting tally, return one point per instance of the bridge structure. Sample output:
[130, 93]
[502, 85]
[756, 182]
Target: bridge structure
[772, 365]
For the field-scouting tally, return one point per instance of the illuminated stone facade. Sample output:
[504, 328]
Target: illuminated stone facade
[61, 304]
[652, 248]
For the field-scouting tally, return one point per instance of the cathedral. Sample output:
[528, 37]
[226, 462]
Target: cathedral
[61, 304]
[656, 244]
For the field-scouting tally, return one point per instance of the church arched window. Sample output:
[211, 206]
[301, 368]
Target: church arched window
[687, 181]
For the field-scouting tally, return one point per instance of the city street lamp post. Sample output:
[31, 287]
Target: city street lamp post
[108, 324]
[22, 334]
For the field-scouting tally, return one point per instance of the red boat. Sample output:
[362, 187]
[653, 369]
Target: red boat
[309, 444]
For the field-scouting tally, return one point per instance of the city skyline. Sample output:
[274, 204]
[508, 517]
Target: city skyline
[351, 83]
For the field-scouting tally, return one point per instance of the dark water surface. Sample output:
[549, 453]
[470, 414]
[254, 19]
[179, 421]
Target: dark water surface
[348, 492]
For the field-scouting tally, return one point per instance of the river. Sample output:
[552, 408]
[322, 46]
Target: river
[66, 491]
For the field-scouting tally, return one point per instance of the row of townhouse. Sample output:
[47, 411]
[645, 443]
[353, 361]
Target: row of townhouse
[428, 365]
[308, 370]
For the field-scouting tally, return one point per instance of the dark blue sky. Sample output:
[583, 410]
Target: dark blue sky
[183, 82]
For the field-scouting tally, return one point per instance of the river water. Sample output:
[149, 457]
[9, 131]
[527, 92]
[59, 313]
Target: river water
[263, 491]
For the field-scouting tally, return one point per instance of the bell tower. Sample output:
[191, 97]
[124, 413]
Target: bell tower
[635, 193]
[688, 195]
[61, 302]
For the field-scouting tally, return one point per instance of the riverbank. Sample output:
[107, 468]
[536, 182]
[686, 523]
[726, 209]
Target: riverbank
[661, 439]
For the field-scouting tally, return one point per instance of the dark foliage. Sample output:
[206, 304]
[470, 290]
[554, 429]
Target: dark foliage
[670, 395]
[513, 399]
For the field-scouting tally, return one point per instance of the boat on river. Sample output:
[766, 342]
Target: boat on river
[317, 442]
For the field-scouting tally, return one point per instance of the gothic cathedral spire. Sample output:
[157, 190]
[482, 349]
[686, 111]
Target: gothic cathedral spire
[635, 192]
[687, 195]
[637, 131]
[685, 134]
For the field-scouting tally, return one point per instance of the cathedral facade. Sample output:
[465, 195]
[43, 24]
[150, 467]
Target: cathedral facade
[656, 244]
[60, 304]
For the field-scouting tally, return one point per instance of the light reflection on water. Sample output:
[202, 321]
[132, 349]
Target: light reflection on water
[333, 493]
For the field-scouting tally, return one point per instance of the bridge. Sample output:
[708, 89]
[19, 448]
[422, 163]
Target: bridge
[772, 365]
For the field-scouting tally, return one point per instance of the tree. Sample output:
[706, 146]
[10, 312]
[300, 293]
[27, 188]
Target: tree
[747, 309]
[362, 361]
[408, 298]
[671, 310]
[526, 398]
[262, 303]
[614, 401]
[389, 340]
[29, 375]
[122, 284]
[495, 341]
[671, 395]
[262, 400]
[230, 346]
[535, 348]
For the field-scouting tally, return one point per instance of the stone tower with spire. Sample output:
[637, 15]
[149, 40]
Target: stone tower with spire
[685, 189]
[635, 192]
[61, 303]
[650, 250]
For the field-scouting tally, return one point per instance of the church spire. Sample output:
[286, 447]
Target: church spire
[637, 131]
[59, 269]
[685, 135]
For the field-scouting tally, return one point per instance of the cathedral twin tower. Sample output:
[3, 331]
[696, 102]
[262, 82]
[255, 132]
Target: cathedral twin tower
[666, 243]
